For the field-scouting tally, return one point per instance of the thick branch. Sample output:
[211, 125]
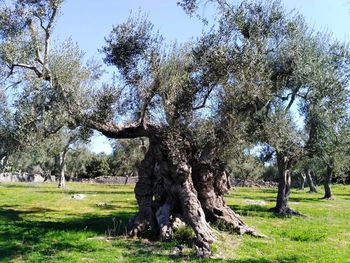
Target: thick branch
[25, 66]
[148, 99]
[35, 39]
[48, 35]
[129, 131]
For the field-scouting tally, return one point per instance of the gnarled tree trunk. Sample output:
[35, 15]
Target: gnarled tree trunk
[327, 182]
[310, 182]
[284, 185]
[171, 183]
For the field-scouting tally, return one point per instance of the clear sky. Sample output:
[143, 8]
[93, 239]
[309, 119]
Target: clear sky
[88, 21]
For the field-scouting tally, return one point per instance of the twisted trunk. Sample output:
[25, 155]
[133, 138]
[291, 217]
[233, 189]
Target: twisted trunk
[284, 185]
[171, 183]
[310, 182]
[327, 182]
[212, 182]
[174, 183]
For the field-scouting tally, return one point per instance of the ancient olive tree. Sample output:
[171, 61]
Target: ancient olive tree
[170, 97]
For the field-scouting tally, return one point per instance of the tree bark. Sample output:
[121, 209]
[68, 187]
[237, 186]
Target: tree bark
[172, 183]
[284, 185]
[212, 182]
[62, 166]
[3, 162]
[327, 182]
[310, 182]
[302, 181]
[144, 191]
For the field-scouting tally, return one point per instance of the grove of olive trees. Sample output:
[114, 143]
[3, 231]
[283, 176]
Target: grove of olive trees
[247, 80]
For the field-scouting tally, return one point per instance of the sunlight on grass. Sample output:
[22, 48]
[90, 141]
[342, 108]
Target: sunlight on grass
[41, 223]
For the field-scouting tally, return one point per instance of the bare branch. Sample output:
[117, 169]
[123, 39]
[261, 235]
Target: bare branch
[34, 34]
[48, 35]
[25, 66]
[148, 100]
[206, 96]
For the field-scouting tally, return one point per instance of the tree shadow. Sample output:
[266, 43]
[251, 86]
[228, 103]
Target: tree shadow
[286, 259]
[113, 207]
[304, 199]
[20, 185]
[87, 192]
[255, 210]
[20, 236]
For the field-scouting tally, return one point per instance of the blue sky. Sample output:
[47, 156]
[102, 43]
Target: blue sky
[88, 21]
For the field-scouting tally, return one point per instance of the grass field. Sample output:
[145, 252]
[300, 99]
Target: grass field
[40, 223]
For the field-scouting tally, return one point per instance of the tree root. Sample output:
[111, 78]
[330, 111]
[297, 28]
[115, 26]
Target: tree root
[141, 222]
[227, 220]
[328, 198]
[285, 211]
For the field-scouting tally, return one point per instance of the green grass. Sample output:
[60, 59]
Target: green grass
[40, 223]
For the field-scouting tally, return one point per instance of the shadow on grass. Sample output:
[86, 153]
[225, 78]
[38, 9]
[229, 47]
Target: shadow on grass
[292, 198]
[137, 252]
[87, 192]
[20, 185]
[255, 210]
[8, 213]
[114, 207]
[20, 237]
[303, 199]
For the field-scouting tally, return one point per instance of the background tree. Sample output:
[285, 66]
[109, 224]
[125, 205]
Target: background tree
[127, 156]
[308, 167]
[245, 166]
[68, 139]
[97, 166]
[331, 144]
[77, 160]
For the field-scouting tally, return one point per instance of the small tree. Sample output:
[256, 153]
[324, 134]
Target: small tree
[127, 156]
[330, 144]
[97, 166]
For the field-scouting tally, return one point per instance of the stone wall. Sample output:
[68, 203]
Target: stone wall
[23, 177]
[110, 180]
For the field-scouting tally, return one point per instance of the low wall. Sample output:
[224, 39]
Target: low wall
[109, 180]
[23, 177]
